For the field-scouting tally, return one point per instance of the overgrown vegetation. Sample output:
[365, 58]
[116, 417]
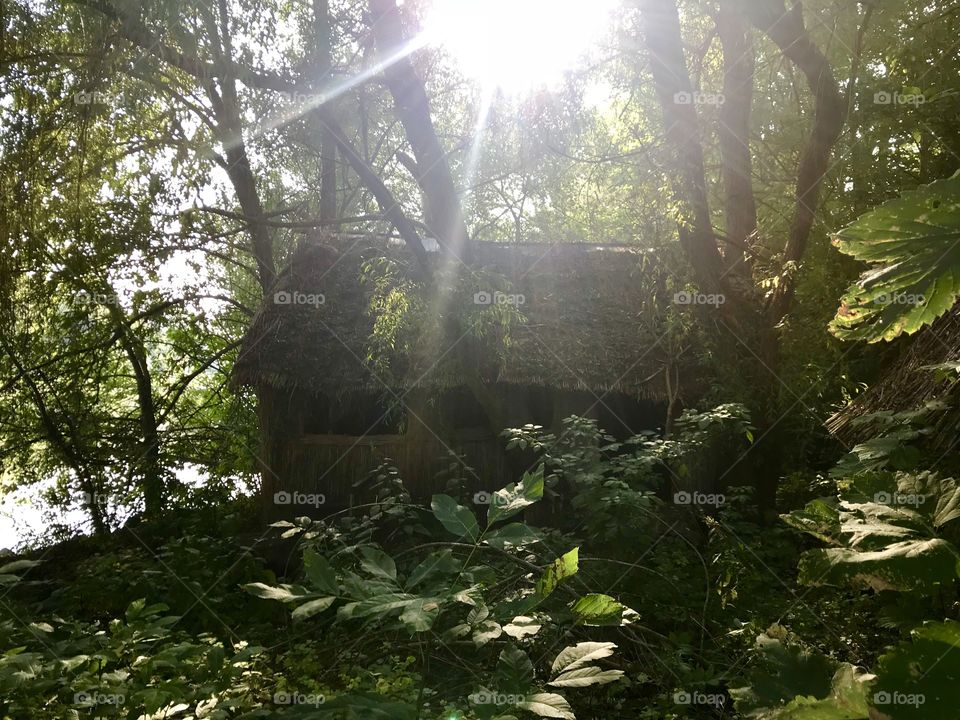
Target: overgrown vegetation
[777, 539]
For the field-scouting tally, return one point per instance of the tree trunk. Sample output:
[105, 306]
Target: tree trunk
[740, 209]
[328, 146]
[787, 30]
[413, 110]
[661, 25]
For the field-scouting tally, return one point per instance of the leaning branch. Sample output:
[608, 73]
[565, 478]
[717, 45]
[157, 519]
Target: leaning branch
[787, 30]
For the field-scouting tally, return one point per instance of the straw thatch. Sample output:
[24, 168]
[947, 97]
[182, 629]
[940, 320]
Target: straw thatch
[911, 382]
[579, 327]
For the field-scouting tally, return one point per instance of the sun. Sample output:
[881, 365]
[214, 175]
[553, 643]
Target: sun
[517, 45]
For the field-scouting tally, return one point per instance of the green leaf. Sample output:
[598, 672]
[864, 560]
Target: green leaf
[562, 568]
[920, 678]
[311, 608]
[785, 669]
[454, 517]
[319, 572]
[381, 605]
[913, 246]
[597, 609]
[549, 705]
[847, 700]
[907, 565]
[819, 518]
[17, 565]
[378, 563]
[510, 500]
[581, 654]
[936, 498]
[521, 626]
[436, 563]
[515, 668]
[582, 677]
[486, 631]
[421, 614]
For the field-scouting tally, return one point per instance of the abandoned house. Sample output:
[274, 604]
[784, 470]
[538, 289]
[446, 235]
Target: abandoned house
[357, 359]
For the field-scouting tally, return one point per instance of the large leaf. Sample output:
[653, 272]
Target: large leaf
[597, 609]
[379, 564]
[920, 678]
[562, 568]
[309, 609]
[454, 517]
[381, 605]
[913, 246]
[521, 626]
[486, 631]
[438, 563]
[581, 655]
[907, 565]
[319, 572]
[421, 614]
[847, 700]
[582, 677]
[510, 500]
[885, 532]
[17, 565]
[935, 497]
[514, 669]
[549, 705]
[785, 669]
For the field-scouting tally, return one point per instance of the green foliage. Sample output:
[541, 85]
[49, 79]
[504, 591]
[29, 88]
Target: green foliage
[912, 245]
[884, 532]
[794, 682]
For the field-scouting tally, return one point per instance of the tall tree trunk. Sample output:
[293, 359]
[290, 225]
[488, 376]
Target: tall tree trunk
[661, 26]
[739, 208]
[148, 465]
[328, 146]
[413, 110]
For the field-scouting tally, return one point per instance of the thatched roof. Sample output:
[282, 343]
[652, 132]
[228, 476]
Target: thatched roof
[579, 326]
[911, 382]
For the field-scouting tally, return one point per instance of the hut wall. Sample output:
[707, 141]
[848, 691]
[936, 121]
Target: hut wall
[330, 465]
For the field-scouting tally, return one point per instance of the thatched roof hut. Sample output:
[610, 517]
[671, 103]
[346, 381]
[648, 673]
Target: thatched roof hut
[919, 375]
[357, 356]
